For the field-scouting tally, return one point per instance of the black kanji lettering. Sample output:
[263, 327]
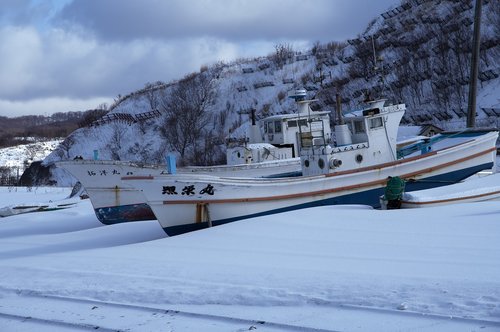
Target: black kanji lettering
[169, 190]
[188, 190]
[209, 189]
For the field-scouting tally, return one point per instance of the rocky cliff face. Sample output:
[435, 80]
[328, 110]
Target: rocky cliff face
[37, 175]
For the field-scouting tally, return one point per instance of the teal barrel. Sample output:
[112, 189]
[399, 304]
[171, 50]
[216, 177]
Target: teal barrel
[394, 191]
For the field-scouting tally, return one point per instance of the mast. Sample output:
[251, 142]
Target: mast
[476, 41]
[254, 136]
[339, 110]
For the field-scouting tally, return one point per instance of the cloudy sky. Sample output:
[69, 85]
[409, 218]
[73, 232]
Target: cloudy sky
[73, 55]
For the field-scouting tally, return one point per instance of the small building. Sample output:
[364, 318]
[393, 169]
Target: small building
[410, 134]
[427, 130]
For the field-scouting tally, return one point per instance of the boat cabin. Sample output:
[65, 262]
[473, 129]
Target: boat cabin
[283, 130]
[367, 138]
[281, 134]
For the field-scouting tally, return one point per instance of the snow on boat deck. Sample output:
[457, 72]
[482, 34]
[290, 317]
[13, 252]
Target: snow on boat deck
[477, 189]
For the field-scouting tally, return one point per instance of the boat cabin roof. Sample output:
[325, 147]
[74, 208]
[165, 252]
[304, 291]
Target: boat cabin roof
[295, 115]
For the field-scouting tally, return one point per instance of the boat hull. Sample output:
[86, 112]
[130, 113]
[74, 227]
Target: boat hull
[124, 213]
[116, 201]
[187, 202]
[113, 201]
[368, 197]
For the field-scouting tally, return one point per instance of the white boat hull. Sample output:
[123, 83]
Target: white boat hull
[117, 201]
[189, 202]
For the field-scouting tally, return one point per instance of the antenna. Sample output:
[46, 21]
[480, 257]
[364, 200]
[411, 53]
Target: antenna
[375, 68]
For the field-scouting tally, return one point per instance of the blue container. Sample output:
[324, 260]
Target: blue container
[171, 164]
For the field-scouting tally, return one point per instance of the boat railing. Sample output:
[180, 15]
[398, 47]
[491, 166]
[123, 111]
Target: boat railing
[350, 147]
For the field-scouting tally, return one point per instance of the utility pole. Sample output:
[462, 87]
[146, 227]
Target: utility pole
[476, 42]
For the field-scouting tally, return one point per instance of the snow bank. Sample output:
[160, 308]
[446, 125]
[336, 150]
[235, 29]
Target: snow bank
[439, 261]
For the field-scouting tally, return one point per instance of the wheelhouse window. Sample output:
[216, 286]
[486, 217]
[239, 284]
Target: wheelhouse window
[359, 127]
[277, 126]
[303, 123]
[269, 128]
[376, 123]
[293, 123]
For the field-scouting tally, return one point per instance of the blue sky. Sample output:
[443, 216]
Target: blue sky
[73, 55]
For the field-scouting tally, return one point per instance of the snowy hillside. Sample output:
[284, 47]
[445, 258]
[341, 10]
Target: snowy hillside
[422, 55]
[16, 156]
[13, 160]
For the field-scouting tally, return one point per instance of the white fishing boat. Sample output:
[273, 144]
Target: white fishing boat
[273, 153]
[115, 201]
[352, 170]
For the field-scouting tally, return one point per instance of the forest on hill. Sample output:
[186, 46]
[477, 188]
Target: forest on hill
[32, 128]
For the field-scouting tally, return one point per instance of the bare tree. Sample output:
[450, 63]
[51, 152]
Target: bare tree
[31, 151]
[492, 17]
[142, 153]
[186, 115]
[92, 115]
[5, 175]
[65, 146]
[283, 53]
[115, 143]
[151, 93]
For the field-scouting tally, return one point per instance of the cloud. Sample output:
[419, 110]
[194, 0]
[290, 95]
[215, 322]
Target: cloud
[178, 19]
[78, 50]
[63, 65]
[234, 20]
[15, 11]
[18, 65]
[48, 106]
[71, 65]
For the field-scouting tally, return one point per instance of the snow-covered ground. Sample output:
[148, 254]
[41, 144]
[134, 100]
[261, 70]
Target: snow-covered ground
[340, 268]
